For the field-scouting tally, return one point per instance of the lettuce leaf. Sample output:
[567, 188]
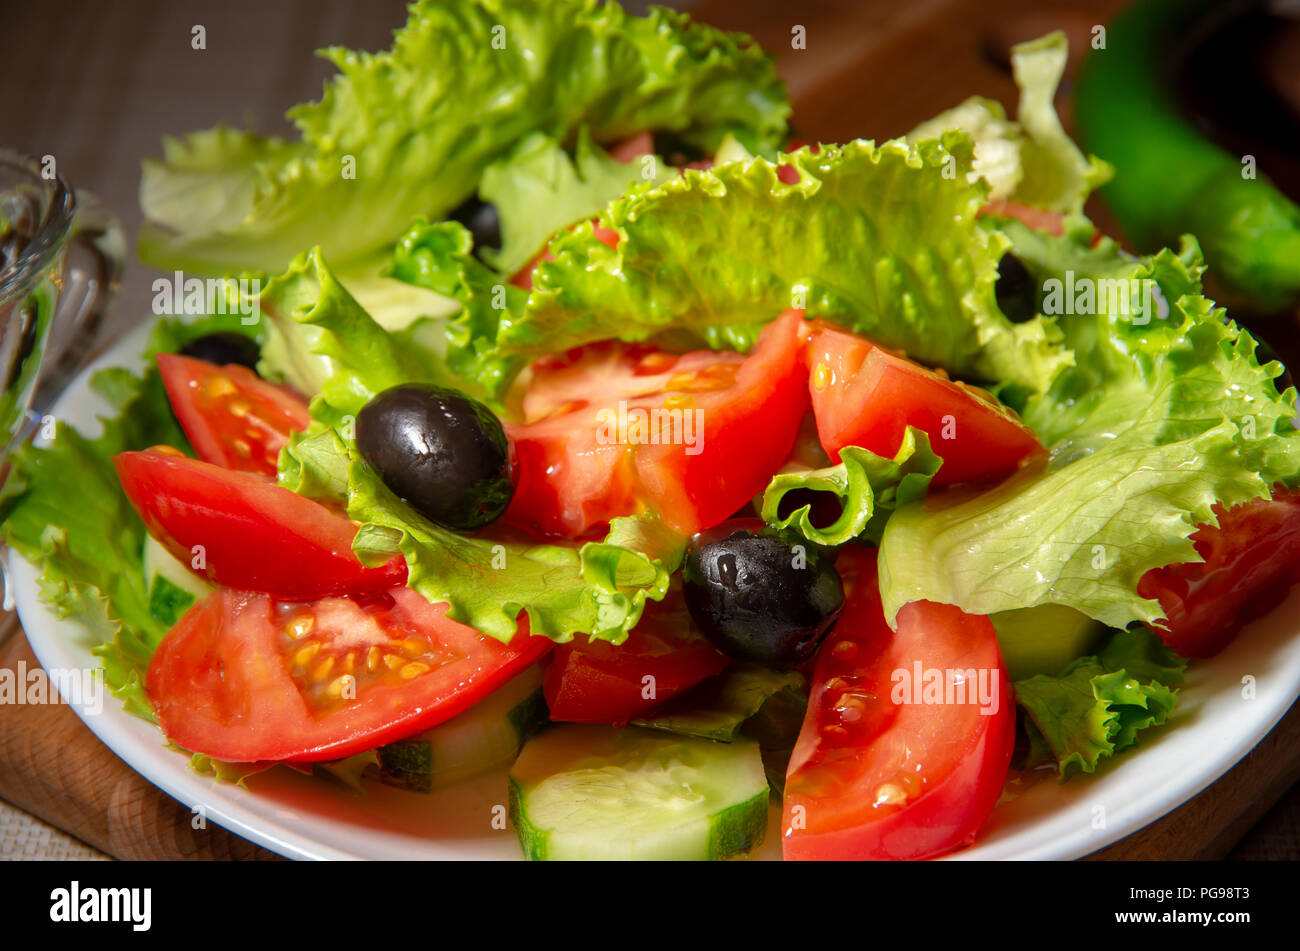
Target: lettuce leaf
[539, 189]
[597, 588]
[882, 239]
[315, 464]
[407, 131]
[1031, 160]
[869, 488]
[1099, 705]
[440, 256]
[63, 509]
[322, 341]
[1160, 418]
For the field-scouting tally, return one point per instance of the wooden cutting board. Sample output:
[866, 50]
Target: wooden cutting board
[861, 68]
[52, 766]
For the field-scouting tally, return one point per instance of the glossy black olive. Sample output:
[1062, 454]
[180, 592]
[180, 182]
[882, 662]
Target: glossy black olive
[223, 348]
[442, 452]
[481, 218]
[1015, 290]
[758, 596]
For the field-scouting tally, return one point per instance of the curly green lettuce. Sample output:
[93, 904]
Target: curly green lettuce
[440, 256]
[539, 189]
[1030, 160]
[1166, 411]
[408, 131]
[491, 580]
[713, 256]
[867, 487]
[323, 342]
[1098, 706]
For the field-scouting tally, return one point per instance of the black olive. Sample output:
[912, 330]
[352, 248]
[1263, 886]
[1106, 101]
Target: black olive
[223, 348]
[481, 218]
[1015, 290]
[442, 452]
[757, 596]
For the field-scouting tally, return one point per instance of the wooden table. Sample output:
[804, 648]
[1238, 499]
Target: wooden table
[98, 84]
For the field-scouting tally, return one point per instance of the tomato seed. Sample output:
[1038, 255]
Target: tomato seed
[412, 670]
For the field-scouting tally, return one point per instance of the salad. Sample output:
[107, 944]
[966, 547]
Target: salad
[552, 412]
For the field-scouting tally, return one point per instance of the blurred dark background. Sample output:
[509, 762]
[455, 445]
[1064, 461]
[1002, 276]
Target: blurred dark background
[98, 84]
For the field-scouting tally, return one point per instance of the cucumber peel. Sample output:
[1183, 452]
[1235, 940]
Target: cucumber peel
[604, 793]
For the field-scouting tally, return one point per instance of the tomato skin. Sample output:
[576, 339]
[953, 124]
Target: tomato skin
[575, 474]
[600, 682]
[1039, 219]
[857, 746]
[1250, 561]
[255, 534]
[232, 417]
[632, 148]
[758, 423]
[221, 681]
[863, 395]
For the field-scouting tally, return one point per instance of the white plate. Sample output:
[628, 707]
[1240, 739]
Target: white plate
[1216, 723]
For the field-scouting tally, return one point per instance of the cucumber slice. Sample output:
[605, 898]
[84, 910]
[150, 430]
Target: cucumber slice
[1044, 639]
[172, 586]
[597, 792]
[486, 736]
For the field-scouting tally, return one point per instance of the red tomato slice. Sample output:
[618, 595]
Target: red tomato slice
[615, 429]
[232, 417]
[863, 395]
[875, 774]
[1251, 561]
[253, 534]
[244, 678]
[599, 682]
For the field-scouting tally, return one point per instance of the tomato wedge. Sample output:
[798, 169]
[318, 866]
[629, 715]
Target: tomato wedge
[863, 395]
[615, 429]
[244, 678]
[244, 531]
[1250, 562]
[233, 417]
[886, 766]
[599, 682]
